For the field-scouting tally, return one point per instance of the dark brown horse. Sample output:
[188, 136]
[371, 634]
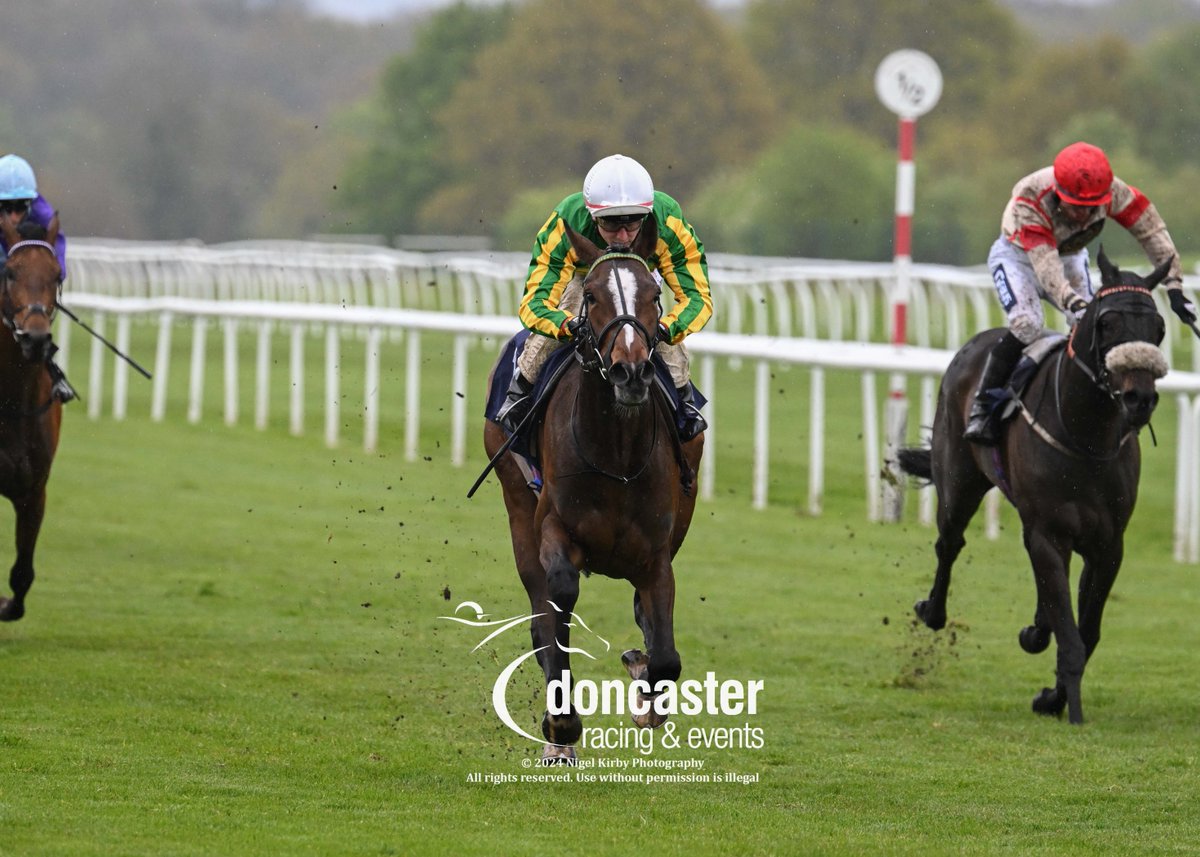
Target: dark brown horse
[1070, 466]
[29, 416]
[613, 499]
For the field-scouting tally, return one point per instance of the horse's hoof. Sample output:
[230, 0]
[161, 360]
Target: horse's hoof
[1034, 639]
[11, 611]
[636, 663]
[1050, 702]
[651, 718]
[557, 754]
[925, 612]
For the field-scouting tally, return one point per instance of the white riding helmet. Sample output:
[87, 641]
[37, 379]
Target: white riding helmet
[16, 178]
[618, 185]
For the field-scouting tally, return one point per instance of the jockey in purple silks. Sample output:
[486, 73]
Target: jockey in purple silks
[21, 202]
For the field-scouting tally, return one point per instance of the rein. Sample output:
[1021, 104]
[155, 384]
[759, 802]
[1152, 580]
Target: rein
[595, 468]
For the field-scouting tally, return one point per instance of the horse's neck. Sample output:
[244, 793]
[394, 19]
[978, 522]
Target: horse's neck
[600, 428]
[1092, 418]
[20, 379]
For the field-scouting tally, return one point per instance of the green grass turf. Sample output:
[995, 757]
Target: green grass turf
[233, 647]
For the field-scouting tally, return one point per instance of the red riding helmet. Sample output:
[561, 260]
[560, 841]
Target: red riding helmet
[1083, 175]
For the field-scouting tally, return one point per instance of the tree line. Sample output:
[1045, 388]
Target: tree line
[766, 125]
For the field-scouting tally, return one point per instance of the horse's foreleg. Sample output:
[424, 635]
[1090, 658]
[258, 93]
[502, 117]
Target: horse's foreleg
[1050, 565]
[562, 725]
[653, 610]
[1096, 580]
[29, 514]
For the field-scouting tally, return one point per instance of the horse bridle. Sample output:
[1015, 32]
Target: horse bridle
[1100, 375]
[590, 341]
[10, 318]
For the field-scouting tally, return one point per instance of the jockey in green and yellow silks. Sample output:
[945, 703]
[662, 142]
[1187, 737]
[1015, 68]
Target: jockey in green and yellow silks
[617, 196]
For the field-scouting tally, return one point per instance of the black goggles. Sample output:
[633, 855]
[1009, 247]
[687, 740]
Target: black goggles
[620, 221]
[8, 206]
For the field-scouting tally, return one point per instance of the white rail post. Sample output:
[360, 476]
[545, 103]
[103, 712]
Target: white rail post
[62, 338]
[162, 367]
[196, 380]
[458, 403]
[871, 446]
[332, 384]
[412, 395]
[296, 370]
[816, 443]
[762, 432]
[1184, 496]
[262, 375]
[371, 391]
[231, 371]
[96, 369]
[121, 370]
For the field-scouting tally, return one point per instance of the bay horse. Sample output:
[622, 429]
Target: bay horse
[30, 417]
[1070, 467]
[613, 499]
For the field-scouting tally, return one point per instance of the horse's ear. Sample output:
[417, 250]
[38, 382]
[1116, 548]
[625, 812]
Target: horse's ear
[585, 251]
[1156, 276]
[1109, 273]
[52, 229]
[646, 243]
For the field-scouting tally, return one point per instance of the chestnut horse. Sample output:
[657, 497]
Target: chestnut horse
[29, 416]
[614, 499]
[1070, 467]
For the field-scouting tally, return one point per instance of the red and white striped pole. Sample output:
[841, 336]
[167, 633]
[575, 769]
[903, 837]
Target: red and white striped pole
[909, 84]
[896, 411]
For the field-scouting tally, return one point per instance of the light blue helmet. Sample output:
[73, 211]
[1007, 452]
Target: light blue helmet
[17, 180]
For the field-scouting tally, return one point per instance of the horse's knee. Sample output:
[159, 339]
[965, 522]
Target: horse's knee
[562, 583]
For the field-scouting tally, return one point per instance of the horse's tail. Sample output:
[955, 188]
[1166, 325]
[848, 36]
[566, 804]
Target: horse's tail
[916, 461]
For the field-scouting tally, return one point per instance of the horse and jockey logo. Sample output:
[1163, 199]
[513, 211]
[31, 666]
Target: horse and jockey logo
[495, 627]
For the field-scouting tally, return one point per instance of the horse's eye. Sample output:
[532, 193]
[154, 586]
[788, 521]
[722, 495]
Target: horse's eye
[588, 297]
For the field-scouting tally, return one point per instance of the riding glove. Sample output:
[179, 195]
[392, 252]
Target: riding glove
[1075, 309]
[1181, 306]
[574, 325]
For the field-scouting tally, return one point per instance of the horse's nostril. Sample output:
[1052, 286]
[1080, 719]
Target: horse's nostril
[619, 373]
[646, 371]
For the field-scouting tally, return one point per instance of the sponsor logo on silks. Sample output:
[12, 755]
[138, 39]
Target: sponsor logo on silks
[500, 688]
[1007, 299]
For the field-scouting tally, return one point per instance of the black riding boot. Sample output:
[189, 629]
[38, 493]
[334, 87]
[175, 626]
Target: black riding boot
[517, 403]
[983, 424]
[690, 421]
[61, 389]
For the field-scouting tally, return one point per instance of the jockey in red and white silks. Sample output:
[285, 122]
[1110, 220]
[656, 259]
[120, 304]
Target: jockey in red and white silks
[1041, 253]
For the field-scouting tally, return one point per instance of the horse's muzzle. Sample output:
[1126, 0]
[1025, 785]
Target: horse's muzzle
[631, 382]
[1139, 404]
[35, 344]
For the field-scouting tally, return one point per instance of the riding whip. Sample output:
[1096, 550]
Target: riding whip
[509, 441]
[118, 351]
